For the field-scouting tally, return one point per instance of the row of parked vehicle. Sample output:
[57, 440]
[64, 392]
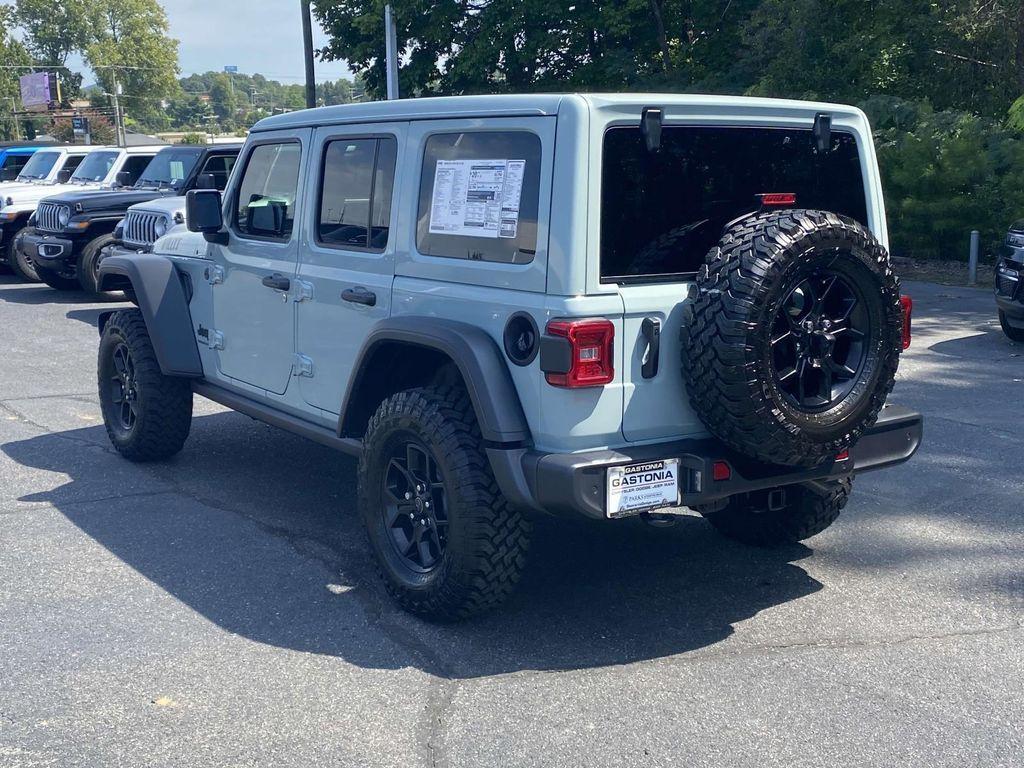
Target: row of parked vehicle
[63, 209]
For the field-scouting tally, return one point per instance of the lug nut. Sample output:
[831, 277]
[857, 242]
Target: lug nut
[408, 495]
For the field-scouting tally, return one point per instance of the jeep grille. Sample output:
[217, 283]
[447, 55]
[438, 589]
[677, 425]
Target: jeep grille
[48, 217]
[140, 229]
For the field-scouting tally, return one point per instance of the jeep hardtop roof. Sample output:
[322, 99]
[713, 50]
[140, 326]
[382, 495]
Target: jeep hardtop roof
[503, 105]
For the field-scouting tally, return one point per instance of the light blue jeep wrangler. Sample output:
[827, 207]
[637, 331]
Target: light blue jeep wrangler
[506, 306]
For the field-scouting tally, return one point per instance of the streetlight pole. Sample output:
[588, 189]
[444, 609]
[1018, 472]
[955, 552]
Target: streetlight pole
[307, 40]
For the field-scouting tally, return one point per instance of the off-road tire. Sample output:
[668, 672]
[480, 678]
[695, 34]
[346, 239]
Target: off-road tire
[56, 280]
[1013, 334]
[487, 539]
[20, 264]
[726, 349]
[810, 508]
[87, 267]
[164, 403]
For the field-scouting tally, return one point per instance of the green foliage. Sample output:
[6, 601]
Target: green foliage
[131, 47]
[946, 173]
[12, 53]
[193, 138]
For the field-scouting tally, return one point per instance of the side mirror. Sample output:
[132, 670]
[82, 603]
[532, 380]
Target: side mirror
[8, 174]
[124, 179]
[63, 176]
[206, 181]
[267, 218]
[203, 214]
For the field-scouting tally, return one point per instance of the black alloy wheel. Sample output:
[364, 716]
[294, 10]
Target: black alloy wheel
[819, 341]
[124, 388]
[415, 506]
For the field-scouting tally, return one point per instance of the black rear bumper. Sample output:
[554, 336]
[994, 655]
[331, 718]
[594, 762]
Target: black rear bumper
[574, 484]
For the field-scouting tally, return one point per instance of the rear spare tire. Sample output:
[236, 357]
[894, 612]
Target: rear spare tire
[793, 336]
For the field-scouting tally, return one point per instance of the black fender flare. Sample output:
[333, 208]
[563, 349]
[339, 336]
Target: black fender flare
[478, 359]
[163, 302]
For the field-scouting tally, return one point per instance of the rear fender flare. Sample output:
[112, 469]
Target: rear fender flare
[476, 356]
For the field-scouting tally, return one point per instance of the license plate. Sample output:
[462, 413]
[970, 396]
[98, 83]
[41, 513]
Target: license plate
[642, 487]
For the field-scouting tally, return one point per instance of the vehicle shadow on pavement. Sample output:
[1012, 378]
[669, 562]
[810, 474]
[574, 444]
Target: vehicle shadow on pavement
[15, 291]
[256, 530]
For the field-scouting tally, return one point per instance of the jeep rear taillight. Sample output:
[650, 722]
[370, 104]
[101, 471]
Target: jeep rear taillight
[591, 347]
[907, 305]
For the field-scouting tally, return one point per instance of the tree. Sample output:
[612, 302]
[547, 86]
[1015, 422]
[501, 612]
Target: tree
[13, 54]
[223, 100]
[53, 31]
[131, 47]
[101, 131]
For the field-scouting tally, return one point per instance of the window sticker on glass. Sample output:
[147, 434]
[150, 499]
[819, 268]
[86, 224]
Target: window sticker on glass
[477, 198]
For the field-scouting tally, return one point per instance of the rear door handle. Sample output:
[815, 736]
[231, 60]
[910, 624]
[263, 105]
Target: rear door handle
[277, 281]
[651, 330]
[360, 295]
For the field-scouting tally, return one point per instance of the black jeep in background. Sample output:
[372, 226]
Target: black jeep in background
[1009, 279]
[69, 231]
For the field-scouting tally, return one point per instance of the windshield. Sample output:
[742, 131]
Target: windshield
[40, 165]
[95, 167]
[662, 212]
[169, 168]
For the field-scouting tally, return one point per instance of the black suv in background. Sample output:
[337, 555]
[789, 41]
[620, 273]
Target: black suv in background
[70, 230]
[1009, 279]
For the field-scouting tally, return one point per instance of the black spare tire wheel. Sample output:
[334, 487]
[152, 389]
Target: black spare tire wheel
[793, 337]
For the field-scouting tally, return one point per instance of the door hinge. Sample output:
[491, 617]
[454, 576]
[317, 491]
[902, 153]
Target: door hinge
[214, 274]
[303, 366]
[214, 339]
[303, 290]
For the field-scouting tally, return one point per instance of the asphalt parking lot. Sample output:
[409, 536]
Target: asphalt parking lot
[220, 609]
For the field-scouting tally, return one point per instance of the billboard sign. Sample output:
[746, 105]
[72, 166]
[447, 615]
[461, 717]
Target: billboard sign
[231, 68]
[39, 90]
[35, 90]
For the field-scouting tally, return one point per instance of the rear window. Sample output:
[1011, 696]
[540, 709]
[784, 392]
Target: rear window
[662, 212]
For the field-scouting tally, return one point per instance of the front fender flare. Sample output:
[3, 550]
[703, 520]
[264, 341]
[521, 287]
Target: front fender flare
[164, 306]
[477, 357]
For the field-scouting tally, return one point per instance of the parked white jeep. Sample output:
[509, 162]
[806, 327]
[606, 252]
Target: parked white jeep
[508, 306]
[84, 168]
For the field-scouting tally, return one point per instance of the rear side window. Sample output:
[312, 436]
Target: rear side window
[267, 192]
[479, 196]
[355, 196]
[662, 212]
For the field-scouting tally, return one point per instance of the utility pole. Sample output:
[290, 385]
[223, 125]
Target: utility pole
[307, 40]
[122, 140]
[390, 52]
[14, 114]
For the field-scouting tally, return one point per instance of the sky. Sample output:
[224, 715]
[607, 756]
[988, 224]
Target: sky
[263, 36]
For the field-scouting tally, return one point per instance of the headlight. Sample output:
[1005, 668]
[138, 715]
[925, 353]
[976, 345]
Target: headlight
[160, 228]
[64, 216]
